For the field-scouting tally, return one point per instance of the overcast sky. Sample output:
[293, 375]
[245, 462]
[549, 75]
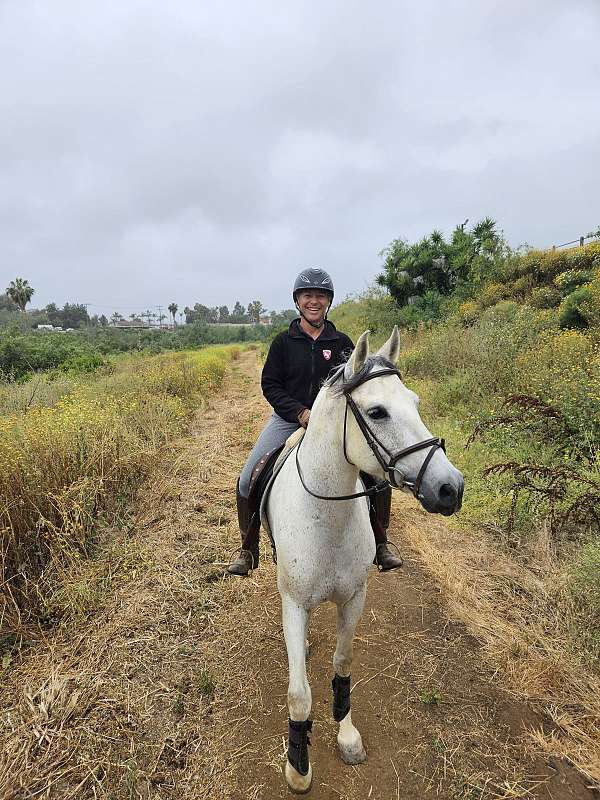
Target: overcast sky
[206, 152]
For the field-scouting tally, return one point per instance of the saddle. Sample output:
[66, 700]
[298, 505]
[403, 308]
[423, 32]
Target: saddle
[263, 476]
[268, 468]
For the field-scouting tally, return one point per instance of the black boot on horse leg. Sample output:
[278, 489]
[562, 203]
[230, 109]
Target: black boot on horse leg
[249, 521]
[379, 513]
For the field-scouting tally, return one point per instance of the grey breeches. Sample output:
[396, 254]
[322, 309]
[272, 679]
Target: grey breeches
[273, 435]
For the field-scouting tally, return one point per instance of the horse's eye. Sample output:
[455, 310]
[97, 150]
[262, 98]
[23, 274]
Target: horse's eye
[377, 412]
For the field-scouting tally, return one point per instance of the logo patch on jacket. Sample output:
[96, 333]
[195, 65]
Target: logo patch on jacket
[326, 354]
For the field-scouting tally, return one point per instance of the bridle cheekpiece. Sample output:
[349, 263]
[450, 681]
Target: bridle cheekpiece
[396, 478]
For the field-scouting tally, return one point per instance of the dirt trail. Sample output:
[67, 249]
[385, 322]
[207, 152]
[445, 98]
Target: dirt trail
[180, 674]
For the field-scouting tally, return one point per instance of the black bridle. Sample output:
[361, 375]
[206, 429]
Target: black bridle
[396, 478]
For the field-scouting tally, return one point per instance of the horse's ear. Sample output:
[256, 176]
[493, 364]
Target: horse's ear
[359, 356]
[391, 349]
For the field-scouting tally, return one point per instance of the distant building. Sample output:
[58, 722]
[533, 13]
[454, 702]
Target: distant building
[132, 323]
[265, 319]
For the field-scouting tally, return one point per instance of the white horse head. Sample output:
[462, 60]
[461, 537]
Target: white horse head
[390, 418]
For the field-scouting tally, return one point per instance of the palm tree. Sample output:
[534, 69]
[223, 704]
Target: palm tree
[173, 309]
[20, 292]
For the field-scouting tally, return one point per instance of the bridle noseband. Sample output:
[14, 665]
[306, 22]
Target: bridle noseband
[396, 477]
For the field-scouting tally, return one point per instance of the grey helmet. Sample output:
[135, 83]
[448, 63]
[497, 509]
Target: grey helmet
[313, 278]
[317, 279]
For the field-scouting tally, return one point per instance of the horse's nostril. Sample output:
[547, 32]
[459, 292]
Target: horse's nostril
[448, 494]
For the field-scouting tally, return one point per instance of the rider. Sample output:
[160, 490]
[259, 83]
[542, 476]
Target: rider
[298, 362]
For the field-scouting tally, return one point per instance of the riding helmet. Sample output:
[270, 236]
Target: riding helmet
[313, 278]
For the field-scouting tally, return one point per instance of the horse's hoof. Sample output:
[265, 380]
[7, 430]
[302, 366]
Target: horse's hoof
[298, 784]
[350, 742]
[351, 756]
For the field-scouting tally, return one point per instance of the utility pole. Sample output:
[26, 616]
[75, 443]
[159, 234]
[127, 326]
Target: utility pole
[159, 316]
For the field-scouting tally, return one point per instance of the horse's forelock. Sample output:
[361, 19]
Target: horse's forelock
[339, 386]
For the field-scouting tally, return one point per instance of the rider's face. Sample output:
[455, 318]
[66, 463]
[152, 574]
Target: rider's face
[313, 304]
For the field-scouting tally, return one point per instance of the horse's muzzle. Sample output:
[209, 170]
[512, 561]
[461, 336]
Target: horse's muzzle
[447, 501]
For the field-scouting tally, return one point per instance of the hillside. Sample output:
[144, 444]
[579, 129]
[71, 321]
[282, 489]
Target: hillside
[511, 379]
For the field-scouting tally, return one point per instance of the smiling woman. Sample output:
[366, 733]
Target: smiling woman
[298, 362]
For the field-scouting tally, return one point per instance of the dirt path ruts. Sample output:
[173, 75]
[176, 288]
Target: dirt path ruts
[174, 686]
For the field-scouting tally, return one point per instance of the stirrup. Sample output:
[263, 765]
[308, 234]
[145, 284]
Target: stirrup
[254, 560]
[387, 544]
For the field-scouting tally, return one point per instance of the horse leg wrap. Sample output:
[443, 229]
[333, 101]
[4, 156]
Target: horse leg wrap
[298, 741]
[341, 697]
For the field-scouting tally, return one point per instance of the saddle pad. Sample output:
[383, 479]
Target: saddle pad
[291, 443]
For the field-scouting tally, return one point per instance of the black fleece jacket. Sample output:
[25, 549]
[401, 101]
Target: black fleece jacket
[297, 365]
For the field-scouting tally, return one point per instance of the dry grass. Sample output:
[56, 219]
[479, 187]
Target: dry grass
[121, 702]
[64, 466]
[521, 613]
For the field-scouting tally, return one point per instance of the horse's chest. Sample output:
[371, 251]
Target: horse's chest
[335, 576]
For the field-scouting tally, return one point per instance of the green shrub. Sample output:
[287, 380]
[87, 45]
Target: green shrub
[544, 265]
[22, 354]
[571, 279]
[586, 578]
[545, 297]
[572, 310]
[493, 293]
[486, 351]
[83, 362]
[520, 288]
[562, 368]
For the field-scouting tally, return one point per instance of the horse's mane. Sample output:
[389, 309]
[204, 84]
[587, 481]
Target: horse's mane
[336, 381]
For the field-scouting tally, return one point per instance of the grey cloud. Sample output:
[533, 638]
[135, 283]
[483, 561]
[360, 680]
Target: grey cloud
[206, 152]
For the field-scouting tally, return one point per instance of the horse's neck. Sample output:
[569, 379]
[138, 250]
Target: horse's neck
[324, 465]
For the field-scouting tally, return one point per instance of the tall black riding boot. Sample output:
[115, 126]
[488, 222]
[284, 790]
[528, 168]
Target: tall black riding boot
[379, 514]
[249, 521]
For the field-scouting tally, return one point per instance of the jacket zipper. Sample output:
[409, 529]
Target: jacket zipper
[312, 370]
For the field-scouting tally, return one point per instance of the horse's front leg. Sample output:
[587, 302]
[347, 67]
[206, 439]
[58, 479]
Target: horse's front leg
[298, 770]
[349, 739]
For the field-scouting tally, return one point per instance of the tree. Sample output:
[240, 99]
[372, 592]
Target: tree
[201, 313]
[173, 310]
[115, 317]
[435, 265]
[20, 292]
[6, 304]
[53, 314]
[255, 309]
[103, 321]
[74, 315]
[238, 313]
[223, 314]
[280, 318]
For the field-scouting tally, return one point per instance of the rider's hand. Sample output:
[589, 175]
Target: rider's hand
[303, 417]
